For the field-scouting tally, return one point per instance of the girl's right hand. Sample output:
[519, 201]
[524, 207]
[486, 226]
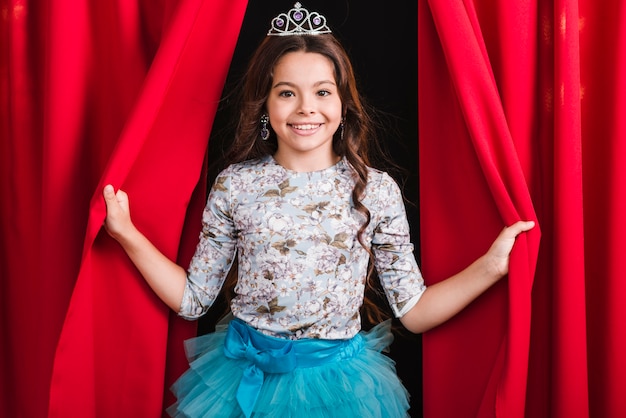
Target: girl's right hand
[117, 222]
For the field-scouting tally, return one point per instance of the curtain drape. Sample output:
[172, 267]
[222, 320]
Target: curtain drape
[96, 92]
[519, 118]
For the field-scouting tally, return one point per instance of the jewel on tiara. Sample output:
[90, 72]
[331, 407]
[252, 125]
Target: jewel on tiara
[298, 21]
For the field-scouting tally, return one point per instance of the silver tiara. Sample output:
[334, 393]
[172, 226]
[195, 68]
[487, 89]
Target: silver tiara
[298, 21]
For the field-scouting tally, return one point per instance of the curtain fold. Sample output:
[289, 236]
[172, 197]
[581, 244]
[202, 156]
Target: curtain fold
[483, 180]
[120, 92]
[566, 273]
[519, 106]
[603, 100]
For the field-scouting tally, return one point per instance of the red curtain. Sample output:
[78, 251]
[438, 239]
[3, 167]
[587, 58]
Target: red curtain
[520, 117]
[90, 93]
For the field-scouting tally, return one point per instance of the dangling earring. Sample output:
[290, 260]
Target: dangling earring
[265, 132]
[341, 127]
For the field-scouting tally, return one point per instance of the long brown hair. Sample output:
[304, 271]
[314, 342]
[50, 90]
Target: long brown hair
[358, 140]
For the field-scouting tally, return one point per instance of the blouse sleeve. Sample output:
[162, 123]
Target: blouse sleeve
[214, 254]
[393, 250]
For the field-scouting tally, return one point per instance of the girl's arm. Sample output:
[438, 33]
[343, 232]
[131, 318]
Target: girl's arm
[165, 277]
[445, 299]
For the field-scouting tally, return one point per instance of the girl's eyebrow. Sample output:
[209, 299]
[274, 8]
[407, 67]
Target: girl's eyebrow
[290, 84]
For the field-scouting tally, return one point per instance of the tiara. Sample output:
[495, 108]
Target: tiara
[298, 21]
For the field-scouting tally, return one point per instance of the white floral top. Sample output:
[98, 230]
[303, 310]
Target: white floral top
[301, 267]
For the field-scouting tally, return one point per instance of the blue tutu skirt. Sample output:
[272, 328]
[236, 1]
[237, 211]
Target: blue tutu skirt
[232, 376]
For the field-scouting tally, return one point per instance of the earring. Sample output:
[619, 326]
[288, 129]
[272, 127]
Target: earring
[265, 132]
[341, 127]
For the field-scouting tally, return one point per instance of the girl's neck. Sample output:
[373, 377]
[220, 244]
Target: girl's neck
[306, 164]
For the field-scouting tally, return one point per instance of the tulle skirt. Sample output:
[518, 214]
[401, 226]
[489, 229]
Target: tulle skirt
[349, 378]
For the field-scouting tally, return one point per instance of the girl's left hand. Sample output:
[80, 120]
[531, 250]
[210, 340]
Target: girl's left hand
[501, 248]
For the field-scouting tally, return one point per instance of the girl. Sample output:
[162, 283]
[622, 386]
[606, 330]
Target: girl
[301, 221]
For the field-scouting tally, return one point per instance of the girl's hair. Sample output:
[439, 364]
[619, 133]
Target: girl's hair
[356, 143]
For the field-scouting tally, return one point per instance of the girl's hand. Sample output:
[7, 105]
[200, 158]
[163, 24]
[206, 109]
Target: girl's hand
[500, 250]
[117, 221]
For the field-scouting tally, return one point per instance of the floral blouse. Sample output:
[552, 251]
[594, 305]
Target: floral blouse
[301, 267]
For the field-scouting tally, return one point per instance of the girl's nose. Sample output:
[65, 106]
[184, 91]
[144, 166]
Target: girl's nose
[306, 106]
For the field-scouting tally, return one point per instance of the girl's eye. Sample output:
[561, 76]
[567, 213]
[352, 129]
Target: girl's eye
[286, 93]
[323, 93]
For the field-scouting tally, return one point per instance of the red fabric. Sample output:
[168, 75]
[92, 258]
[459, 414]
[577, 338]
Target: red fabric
[603, 106]
[472, 182]
[120, 92]
[519, 113]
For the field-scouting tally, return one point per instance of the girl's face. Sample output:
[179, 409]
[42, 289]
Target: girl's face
[304, 109]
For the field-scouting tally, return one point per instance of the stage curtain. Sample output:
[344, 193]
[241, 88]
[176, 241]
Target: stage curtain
[520, 106]
[90, 93]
